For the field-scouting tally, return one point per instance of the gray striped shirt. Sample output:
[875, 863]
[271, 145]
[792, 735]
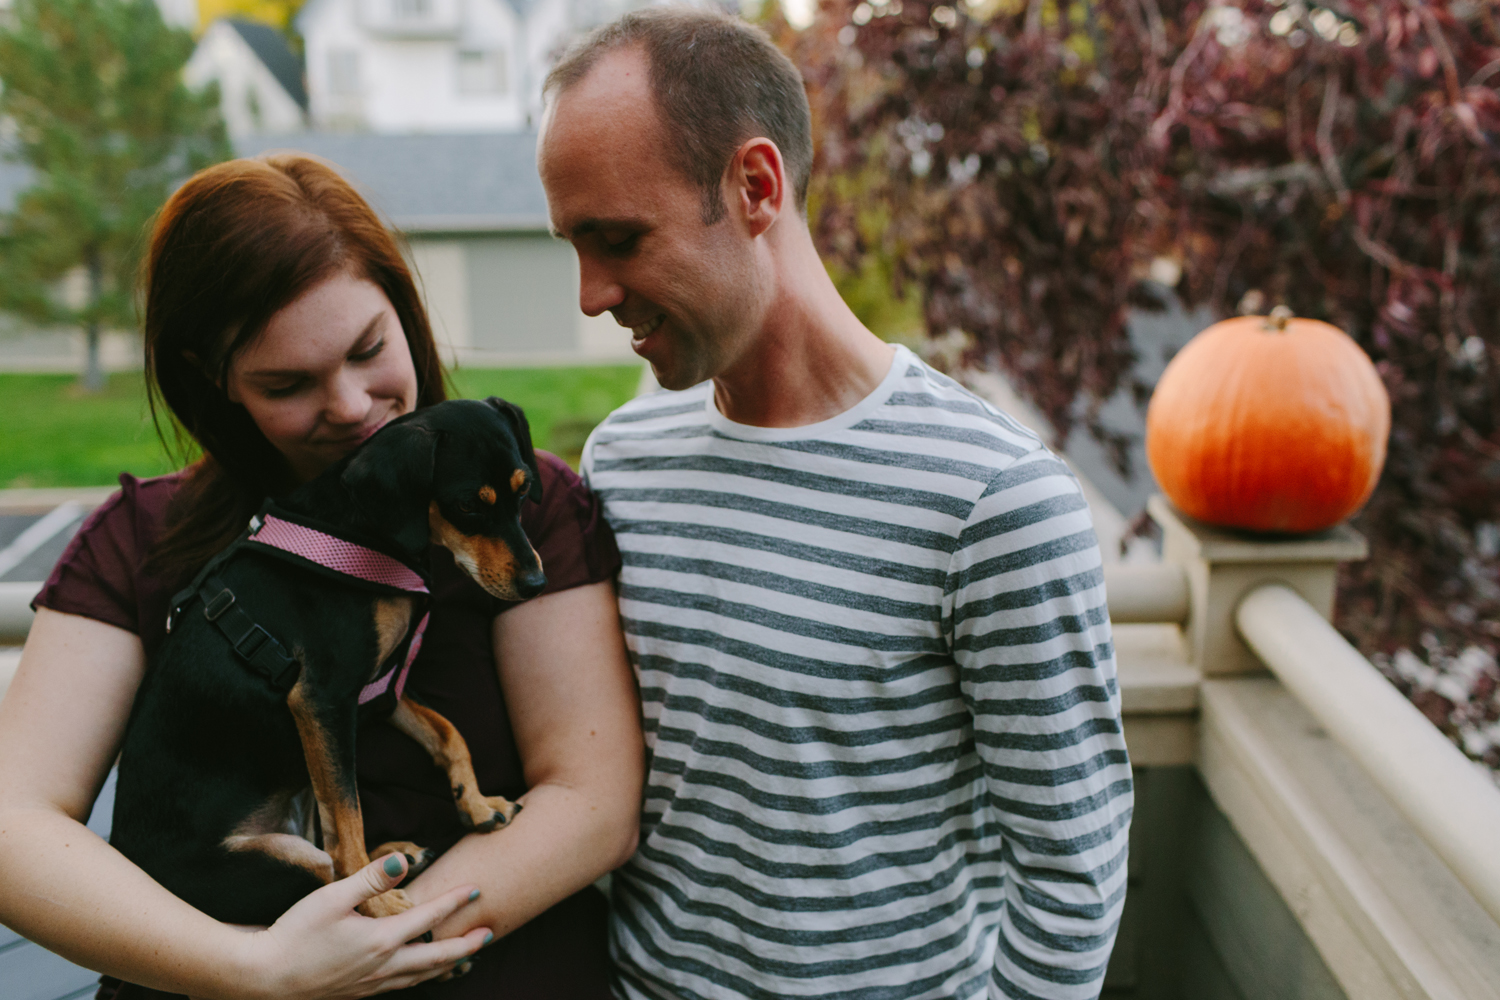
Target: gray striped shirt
[885, 751]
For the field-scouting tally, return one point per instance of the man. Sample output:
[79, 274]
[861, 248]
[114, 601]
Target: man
[866, 609]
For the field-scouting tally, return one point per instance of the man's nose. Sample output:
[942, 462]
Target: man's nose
[598, 289]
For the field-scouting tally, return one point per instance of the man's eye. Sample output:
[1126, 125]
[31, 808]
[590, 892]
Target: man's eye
[619, 242]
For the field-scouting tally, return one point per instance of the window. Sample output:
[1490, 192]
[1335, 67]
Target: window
[343, 72]
[481, 71]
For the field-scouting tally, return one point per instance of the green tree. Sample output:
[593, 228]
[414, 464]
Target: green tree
[96, 106]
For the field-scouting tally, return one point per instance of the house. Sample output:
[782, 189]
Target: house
[261, 89]
[500, 289]
[436, 65]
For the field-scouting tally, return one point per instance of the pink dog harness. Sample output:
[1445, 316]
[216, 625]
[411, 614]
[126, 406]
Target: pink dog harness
[345, 557]
[279, 536]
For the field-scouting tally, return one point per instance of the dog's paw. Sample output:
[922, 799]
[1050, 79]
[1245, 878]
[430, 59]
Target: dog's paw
[488, 813]
[417, 858]
[387, 904]
[461, 969]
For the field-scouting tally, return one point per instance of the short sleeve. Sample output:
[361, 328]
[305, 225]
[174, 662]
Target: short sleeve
[95, 576]
[568, 529]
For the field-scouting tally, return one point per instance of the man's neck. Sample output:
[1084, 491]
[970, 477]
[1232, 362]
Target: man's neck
[812, 358]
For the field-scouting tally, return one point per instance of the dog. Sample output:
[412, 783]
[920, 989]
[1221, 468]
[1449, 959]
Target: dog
[255, 697]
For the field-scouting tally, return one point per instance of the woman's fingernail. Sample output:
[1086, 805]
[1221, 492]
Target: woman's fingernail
[488, 937]
[473, 895]
[393, 866]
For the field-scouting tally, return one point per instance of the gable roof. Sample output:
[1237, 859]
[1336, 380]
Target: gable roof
[454, 183]
[270, 47]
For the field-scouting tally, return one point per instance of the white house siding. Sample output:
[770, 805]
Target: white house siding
[251, 99]
[363, 74]
[177, 13]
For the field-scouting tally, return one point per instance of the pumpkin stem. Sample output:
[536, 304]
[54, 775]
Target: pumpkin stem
[1279, 318]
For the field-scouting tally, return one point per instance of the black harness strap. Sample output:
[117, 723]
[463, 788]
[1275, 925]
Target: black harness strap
[252, 643]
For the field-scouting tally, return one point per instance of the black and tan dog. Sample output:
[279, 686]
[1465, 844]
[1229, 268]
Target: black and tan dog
[235, 723]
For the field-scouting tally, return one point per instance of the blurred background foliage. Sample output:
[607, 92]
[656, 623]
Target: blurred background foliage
[92, 96]
[1025, 172]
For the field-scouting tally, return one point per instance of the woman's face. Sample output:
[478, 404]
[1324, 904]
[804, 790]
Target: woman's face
[327, 372]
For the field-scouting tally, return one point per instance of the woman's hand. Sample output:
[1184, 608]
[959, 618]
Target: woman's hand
[321, 949]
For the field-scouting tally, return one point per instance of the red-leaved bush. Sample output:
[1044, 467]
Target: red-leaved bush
[1023, 163]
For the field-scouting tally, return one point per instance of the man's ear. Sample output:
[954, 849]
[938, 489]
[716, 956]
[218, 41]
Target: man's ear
[522, 430]
[389, 481]
[757, 176]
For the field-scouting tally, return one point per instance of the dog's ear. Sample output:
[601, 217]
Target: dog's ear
[522, 430]
[389, 481]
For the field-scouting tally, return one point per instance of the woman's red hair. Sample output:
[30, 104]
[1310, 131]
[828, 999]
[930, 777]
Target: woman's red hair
[233, 246]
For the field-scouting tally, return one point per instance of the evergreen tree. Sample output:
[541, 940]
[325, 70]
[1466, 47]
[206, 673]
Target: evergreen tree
[94, 103]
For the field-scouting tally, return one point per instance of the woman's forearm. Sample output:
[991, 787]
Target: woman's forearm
[561, 841]
[573, 710]
[69, 891]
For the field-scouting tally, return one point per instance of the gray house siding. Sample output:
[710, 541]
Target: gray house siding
[523, 295]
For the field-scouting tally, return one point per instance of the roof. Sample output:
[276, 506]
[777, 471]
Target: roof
[270, 47]
[472, 182]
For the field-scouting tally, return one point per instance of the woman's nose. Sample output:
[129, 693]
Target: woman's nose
[348, 401]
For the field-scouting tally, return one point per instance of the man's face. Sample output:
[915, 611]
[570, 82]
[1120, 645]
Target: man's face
[687, 291]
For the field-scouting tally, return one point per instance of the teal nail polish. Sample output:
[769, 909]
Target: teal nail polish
[393, 866]
[487, 939]
[473, 895]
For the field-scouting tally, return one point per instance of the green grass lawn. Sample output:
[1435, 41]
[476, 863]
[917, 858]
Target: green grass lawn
[52, 435]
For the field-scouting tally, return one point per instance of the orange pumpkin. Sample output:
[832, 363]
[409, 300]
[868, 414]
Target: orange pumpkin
[1269, 423]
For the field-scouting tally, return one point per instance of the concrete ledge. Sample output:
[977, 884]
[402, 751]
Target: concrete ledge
[39, 501]
[1441, 793]
[1147, 592]
[1386, 915]
[1158, 693]
[15, 611]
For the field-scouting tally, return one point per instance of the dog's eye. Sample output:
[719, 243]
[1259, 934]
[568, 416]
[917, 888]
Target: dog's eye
[465, 506]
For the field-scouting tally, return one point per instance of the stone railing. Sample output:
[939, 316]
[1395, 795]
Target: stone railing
[1379, 835]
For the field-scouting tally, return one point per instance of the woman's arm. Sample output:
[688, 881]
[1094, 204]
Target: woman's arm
[61, 724]
[576, 717]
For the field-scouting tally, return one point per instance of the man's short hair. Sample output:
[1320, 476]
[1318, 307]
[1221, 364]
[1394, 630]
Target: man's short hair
[717, 81]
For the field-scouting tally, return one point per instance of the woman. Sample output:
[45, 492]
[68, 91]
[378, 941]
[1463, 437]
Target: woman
[282, 329]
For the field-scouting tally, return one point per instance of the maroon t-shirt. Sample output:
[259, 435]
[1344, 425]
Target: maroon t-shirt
[563, 952]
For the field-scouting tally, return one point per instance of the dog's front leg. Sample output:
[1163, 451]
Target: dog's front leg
[326, 726]
[448, 750]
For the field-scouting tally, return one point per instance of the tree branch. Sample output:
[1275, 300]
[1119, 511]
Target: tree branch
[1326, 152]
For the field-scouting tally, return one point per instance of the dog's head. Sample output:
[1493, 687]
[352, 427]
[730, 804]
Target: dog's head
[455, 474]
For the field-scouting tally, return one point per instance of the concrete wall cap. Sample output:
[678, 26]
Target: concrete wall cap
[1213, 544]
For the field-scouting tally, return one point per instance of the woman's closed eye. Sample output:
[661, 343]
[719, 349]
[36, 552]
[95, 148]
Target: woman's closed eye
[369, 352]
[283, 391]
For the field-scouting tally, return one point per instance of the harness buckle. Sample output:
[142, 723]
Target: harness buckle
[250, 643]
[219, 604]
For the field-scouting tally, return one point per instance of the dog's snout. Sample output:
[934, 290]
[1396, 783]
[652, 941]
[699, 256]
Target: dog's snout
[530, 584]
